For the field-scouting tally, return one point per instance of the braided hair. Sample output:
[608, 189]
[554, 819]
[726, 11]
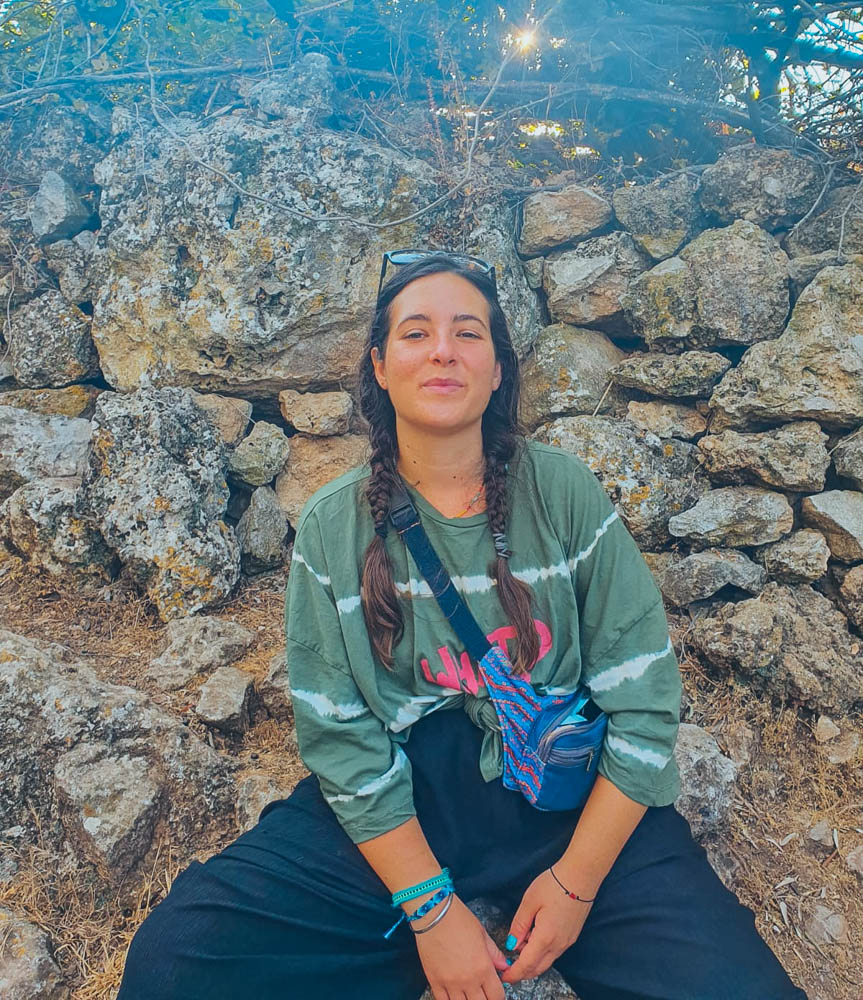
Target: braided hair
[501, 435]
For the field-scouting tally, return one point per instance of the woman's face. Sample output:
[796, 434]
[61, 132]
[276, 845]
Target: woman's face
[439, 366]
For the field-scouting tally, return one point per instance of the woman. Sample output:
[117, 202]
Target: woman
[616, 895]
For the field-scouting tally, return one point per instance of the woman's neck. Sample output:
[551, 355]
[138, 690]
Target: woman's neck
[444, 468]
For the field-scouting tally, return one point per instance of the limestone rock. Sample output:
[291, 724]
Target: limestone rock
[771, 187]
[56, 211]
[197, 645]
[844, 749]
[851, 595]
[790, 643]
[814, 371]
[204, 288]
[847, 457]
[27, 967]
[826, 729]
[821, 232]
[71, 401]
[801, 270]
[586, 285]
[254, 792]
[728, 286]
[229, 415]
[667, 420]
[555, 217]
[702, 574]
[740, 741]
[299, 94]
[792, 457]
[567, 373]
[155, 485]
[110, 802]
[314, 462]
[734, 516]
[707, 780]
[225, 699]
[826, 927]
[321, 414]
[801, 557]
[6, 372]
[262, 532]
[275, 690]
[672, 376]
[821, 834]
[533, 271]
[37, 447]
[647, 479]
[50, 343]
[70, 260]
[40, 522]
[854, 860]
[261, 456]
[660, 216]
[839, 515]
[50, 706]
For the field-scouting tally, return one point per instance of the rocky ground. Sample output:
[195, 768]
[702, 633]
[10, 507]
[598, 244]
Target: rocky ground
[788, 847]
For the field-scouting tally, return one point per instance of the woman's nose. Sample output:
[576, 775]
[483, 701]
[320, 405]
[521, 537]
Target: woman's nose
[442, 349]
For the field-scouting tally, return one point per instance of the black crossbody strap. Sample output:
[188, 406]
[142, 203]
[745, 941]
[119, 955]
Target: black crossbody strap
[406, 520]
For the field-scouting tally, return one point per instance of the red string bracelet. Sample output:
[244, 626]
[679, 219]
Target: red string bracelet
[571, 895]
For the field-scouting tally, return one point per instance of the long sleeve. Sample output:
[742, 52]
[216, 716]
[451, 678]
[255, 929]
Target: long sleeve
[627, 656]
[364, 776]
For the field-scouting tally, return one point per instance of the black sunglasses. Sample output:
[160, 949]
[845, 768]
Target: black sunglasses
[399, 257]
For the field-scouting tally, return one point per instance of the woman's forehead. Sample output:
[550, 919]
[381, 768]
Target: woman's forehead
[443, 296]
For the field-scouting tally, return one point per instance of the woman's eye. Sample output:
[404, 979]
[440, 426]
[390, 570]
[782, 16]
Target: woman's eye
[468, 333]
[414, 334]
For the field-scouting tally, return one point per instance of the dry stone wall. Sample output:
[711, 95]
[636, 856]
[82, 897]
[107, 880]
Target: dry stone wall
[177, 380]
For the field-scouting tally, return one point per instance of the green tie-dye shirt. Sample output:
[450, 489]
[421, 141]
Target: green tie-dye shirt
[598, 612]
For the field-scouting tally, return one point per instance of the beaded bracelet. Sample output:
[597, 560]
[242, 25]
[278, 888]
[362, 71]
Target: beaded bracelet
[438, 882]
[426, 907]
[438, 918]
[572, 895]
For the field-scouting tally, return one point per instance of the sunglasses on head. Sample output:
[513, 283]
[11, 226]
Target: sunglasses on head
[399, 257]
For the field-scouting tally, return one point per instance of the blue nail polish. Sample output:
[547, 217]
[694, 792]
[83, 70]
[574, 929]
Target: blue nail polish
[508, 962]
[511, 942]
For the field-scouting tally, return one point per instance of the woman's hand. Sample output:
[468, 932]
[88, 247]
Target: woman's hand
[550, 922]
[459, 958]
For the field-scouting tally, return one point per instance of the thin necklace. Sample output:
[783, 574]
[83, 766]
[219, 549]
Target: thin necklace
[473, 500]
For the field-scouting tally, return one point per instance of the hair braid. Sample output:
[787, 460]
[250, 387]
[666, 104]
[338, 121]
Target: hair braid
[515, 595]
[378, 593]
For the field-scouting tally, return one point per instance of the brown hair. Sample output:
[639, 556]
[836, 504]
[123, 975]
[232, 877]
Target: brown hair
[501, 437]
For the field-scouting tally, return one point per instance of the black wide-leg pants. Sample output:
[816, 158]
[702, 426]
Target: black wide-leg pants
[291, 910]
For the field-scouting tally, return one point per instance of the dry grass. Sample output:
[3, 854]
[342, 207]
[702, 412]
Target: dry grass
[787, 785]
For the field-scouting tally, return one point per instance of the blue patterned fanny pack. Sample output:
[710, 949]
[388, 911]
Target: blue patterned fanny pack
[551, 744]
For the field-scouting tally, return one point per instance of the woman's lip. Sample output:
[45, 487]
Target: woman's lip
[442, 383]
[443, 388]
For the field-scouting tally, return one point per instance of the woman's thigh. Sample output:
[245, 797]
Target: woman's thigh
[663, 927]
[290, 909]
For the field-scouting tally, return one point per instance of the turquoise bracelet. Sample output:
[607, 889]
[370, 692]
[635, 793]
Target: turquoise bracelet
[438, 882]
[426, 907]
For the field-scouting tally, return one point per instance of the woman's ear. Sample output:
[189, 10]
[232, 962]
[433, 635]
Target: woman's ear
[378, 365]
[498, 375]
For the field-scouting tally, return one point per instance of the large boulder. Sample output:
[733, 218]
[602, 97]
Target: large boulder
[41, 523]
[262, 532]
[851, 595]
[261, 456]
[301, 94]
[586, 285]
[50, 343]
[28, 970]
[703, 574]
[70, 261]
[660, 216]
[70, 401]
[839, 515]
[230, 416]
[314, 462]
[197, 645]
[39, 447]
[567, 372]
[672, 376]
[321, 414]
[733, 516]
[839, 217]
[790, 643]
[203, 287]
[814, 371]
[667, 420]
[155, 485]
[728, 286]
[551, 218]
[103, 766]
[771, 187]
[792, 457]
[648, 479]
